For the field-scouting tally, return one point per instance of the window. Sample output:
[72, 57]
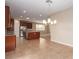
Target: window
[40, 27]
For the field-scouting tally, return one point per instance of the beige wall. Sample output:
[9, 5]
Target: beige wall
[62, 32]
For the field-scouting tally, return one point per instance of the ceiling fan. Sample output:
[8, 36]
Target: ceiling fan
[49, 2]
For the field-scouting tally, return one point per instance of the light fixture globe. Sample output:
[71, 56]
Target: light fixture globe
[55, 21]
[52, 22]
[49, 20]
[44, 22]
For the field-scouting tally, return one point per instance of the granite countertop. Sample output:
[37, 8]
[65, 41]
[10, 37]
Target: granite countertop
[9, 34]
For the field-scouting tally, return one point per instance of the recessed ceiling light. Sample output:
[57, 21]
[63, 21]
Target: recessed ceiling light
[24, 11]
[21, 16]
[40, 15]
[27, 18]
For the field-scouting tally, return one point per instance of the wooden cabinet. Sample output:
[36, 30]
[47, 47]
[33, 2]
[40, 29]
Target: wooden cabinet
[7, 17]
[23, 23]
[29, 25]
[9, 22]
[26, 23]
[10, 42]
[12, 24]
[11, 28]
[33, 35]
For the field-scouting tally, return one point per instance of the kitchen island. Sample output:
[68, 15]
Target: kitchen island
[33, 35]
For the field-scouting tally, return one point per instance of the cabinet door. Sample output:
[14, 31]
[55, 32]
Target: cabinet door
[6, 16]
[29, 25]
[10, 43]
[12, 24]
[23, 23]
[26, 23]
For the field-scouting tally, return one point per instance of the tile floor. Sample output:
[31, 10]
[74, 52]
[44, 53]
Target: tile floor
[39, 49]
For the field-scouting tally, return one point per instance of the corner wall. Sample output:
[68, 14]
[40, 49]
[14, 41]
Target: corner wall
[16, 27]
[62, 32]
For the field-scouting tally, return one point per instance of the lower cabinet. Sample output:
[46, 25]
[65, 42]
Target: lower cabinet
[10, 42]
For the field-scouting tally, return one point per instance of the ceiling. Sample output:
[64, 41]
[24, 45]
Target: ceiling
[34, 8]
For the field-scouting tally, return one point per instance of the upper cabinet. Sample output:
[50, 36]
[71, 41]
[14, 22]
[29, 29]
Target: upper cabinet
[9, 22]
[7, 17]
[29, 25]
[23, 23]
[26, 23]
[12, 24]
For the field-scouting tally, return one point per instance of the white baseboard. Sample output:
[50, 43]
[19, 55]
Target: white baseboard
[45, 35]
[63, 43]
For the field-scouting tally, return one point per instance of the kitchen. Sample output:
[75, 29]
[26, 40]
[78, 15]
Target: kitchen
[27, 30]
[10, 37]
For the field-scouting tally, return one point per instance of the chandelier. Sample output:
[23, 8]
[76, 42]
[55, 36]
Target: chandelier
[48, 21]
[49, 2]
